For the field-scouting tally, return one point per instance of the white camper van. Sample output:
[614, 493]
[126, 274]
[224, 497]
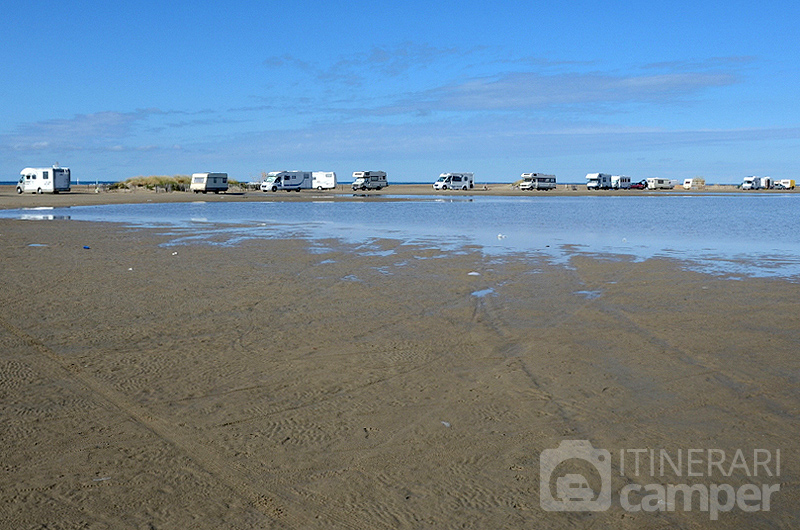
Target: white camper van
[369, 180]
[659, 184]
[620, 182]
[205, 182]
[455, 181]
[756, 183]
[287, 180]
[44, 180]
[537, 181]
[598, 181]
[323, 180]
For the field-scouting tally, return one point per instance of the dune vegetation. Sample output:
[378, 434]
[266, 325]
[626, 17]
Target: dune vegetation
[164, 182]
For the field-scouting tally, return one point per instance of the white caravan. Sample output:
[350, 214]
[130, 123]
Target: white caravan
[369, 180]
[455, 181]
[205, 182]
[659, 184]
[323, 180]
[598, 181]
[696, 183]
[287, 180]
[620, 182]
[537, 181]
[784, 184]
[44, 179]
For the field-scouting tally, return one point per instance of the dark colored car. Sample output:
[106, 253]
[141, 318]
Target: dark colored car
[641, 185]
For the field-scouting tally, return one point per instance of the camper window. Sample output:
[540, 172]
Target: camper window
[46, 175]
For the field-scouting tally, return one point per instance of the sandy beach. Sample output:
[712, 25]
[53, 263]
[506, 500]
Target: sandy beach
[82, 195]
[265, 386]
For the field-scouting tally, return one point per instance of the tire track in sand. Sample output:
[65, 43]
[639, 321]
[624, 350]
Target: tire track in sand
[285, 508]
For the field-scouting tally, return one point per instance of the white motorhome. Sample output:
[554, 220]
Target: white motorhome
[205, 182]
[287, 180]
[537, 181]
[620, 182]
[654, 183]
[598, 181]
[369, 180]
[44, 180]
[455, 181]
[752, 183]
[323, 180]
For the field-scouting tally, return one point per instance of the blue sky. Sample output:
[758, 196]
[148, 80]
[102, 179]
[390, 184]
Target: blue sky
[413, 88]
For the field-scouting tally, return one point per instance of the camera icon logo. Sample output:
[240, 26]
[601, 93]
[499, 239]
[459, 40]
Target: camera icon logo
[573, 493]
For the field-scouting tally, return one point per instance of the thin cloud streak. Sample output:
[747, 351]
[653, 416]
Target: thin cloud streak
[531, 91]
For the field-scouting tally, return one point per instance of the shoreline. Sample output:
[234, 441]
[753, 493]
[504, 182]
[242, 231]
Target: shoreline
[84, 195]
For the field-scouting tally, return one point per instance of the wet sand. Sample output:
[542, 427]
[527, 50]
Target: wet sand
[266, 386]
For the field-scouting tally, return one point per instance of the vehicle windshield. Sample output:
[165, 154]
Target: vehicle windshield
[441, 179]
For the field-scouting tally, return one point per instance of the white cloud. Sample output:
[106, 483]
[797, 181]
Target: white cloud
[82, 131]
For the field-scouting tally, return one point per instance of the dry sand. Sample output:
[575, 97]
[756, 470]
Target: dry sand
[265, 386]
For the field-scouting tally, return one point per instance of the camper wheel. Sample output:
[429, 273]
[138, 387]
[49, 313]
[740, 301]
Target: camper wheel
[464, 188]
[378, 188]
[39, 191]
[297, 190]
[19, 190]
[319, 188]
[274, 188]
[444, 187]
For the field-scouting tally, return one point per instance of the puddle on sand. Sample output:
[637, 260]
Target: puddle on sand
[483, 292]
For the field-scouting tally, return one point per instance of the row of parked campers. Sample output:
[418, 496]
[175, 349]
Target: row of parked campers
[298, 180]
[767, 183]
[44, 180]
[605, 181]
[466, 181]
